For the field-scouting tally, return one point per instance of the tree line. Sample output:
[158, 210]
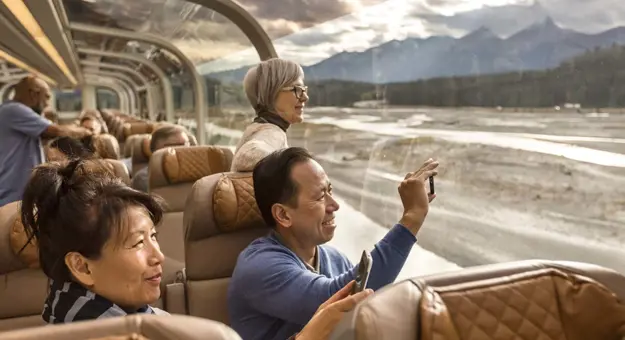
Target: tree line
[593, 79]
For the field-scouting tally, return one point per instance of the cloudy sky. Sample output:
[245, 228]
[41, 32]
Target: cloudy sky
[308, 31]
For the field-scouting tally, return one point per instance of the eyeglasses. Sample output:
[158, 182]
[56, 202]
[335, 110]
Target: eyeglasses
[299, 90]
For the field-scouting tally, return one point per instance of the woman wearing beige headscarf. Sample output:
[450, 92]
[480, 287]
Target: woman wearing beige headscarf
[275, 88]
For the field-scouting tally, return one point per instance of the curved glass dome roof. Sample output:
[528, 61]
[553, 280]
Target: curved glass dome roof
[200, 33]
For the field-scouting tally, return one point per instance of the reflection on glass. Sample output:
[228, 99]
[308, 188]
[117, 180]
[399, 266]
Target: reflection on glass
[107, 99]
[201, 34]
[68, 101]
[519, 100]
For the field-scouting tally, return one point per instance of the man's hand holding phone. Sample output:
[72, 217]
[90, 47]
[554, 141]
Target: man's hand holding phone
[331, 312]
[415, 197]
[364, 269]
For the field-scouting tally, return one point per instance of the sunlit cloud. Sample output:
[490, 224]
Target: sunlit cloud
[308, 31]
[354, 32]
[452, 7]
[399, 19]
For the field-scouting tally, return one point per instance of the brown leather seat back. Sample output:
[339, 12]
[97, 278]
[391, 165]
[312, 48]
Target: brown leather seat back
[138, 326]
[221, 218]
[172, 172]
[127, 152]
[140, 151]
[107, 115]
[135, 128]
[520, 300]
[106, 146]
[119, 169]
[117, 128]
[22, 289]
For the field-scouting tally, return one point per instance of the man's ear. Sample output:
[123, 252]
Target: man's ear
[78, 266]
[281, 214]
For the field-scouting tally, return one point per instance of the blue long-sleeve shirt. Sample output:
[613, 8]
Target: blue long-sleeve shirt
[273, 294]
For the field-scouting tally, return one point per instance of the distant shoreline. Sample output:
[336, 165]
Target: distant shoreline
[618, 110]
[587, 110]
[611, 110]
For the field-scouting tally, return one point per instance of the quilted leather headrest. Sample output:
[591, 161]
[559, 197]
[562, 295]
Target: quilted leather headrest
[234, 204]
[547, 303]
[221, 203]
[187, 164]
[526, 299]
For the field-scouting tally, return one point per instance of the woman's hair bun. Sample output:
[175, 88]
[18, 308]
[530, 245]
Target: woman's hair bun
[74, 148]
[67, 171]
[42, 194]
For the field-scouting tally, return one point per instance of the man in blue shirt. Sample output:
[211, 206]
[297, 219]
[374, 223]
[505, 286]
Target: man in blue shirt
[280, 280]
[21, 129]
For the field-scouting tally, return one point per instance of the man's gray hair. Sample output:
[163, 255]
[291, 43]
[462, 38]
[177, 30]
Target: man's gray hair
[263, 82]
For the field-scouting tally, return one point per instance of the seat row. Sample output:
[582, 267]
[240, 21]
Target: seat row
[208, 221]
[212, 216]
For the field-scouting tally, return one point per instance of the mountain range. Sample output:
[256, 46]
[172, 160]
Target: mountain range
[539, 46]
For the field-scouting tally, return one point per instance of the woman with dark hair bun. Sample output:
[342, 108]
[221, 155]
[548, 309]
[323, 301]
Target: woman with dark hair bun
[97, 241]
[97, 244]
[66, 148]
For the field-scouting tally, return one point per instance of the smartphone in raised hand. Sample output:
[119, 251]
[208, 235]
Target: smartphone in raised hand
[432, 191]
[364, 269]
